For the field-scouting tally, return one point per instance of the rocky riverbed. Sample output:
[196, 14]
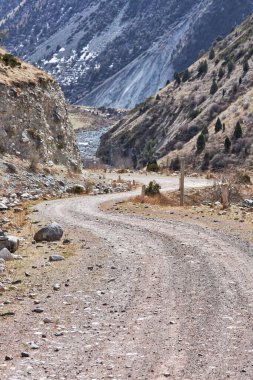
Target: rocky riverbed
[88, 142]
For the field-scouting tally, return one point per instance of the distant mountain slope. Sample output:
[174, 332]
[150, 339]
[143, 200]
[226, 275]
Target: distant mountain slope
[194, 115]
[116, 52]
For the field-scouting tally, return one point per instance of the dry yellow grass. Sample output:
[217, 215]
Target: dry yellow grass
[26, 73]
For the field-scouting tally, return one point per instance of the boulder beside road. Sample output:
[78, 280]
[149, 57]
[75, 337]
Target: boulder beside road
[9, 242]
[51, 232]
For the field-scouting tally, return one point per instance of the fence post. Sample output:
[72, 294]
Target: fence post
[182, 177]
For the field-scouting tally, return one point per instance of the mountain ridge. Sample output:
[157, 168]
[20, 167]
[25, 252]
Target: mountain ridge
[109, 53]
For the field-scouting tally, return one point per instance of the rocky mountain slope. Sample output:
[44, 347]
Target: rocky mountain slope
[206, 114]
[34, 123]
[116, 53]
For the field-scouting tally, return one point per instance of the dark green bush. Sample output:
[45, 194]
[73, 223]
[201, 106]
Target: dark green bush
[227, 145]
[61, 145]
[238, 131]
[211, 54]
[206, 162]
[153, 166]
[194, 114]
[152, 189]
[231, 66]
[245, 66]
[218, 126]
[10, 60]
[186, 75]
[201, 143]
[177, 78]
[175, 164]
[214, 88]
[202, 68]
[221, 73]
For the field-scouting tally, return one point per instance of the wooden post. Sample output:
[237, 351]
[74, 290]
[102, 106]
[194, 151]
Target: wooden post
[225, 196]
[143, 189]
[182, 175]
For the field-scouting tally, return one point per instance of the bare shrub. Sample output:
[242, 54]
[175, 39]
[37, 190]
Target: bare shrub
[10, 167]
[238, 146]
[20, 218]
[88, 186]
[215, 109]
[245, 106]
[226, 191]
[221, 161]
[34, 164]
[242, 177]
[179, 145]
[202, 99]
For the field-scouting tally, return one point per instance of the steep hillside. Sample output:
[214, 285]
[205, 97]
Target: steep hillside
[34, 122]
[116, 52]
[218, 86]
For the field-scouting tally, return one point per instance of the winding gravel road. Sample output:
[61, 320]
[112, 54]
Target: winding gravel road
[176, 301]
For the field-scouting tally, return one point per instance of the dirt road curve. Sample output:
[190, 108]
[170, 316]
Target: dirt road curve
[159, 300]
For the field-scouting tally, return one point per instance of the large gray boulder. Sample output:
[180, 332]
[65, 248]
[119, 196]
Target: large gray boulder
[9, 242]
[51, 232]
[13, 243]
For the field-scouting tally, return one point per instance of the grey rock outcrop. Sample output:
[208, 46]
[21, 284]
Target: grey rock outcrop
[51, 232]
[34, 121]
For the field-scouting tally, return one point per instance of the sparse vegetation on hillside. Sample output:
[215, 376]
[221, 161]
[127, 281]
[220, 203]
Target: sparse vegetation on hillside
[10, 60]
[206, 110]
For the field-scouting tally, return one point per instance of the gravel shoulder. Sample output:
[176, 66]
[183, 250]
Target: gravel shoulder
[141, 298]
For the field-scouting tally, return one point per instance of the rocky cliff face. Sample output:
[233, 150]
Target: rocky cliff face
[116, 53]
[34, 122]
[206, 102]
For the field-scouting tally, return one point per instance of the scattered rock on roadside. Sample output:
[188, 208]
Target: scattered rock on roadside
[56, 286]
[25, 355]
[7, 255]
[38, 310]
[8, 358]
[56, 258]
[48, 320]
[9, 242]
[13, 243]
[247, 203]
[76, 189]
[51, 232]
[7, 314]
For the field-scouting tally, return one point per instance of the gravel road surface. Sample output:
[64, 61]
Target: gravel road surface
[160, 299]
